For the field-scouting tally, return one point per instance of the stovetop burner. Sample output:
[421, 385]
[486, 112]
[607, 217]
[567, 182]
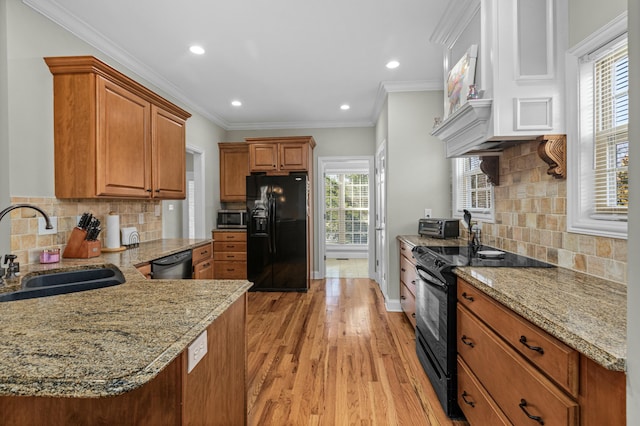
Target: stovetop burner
[467, 256]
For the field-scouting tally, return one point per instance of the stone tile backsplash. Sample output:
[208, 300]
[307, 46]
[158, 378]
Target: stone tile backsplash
[531, 219]
[27, 244]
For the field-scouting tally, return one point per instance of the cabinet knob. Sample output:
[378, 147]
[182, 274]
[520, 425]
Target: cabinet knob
[157, 190]
[464, 398]
[149, 190]
[464, 340]
[522, 405]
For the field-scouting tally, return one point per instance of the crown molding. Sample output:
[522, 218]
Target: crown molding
[67, 20]
[298, 125]
[454, 20]
[387, 87]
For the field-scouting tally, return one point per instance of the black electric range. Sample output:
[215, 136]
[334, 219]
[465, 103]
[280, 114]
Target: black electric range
[436, 292]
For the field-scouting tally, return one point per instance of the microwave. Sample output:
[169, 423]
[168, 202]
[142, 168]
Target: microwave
[439, 228]
[232, 219]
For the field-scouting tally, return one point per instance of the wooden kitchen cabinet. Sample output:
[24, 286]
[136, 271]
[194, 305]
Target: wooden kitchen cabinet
[230, 255]
[281, 155]
[202, 259]
[234, 168]
[113, 137]
[145, 269]
[408, 283]
[503, 360]
[213, 393]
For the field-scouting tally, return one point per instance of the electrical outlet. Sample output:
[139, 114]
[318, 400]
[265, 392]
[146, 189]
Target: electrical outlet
[196, 351]
[427, 212]
[41, 225]
[140, 218]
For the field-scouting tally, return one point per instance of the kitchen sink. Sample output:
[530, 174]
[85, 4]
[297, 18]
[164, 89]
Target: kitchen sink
[65, 282]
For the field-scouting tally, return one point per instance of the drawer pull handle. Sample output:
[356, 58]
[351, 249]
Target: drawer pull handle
[464, 340]
[413, 282]
[413, 315]
[403, 270]
[469, 298]
[403, 297]
[523, 340]
[522, 405]
[464, 398]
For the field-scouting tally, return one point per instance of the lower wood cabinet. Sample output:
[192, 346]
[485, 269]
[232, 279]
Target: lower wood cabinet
[408, 282]
[230, 255]
[202, 260]
[213, 393]
[145, 269]
[512, 372]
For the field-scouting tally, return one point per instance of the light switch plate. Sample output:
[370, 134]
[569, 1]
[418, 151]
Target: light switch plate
[196, 351]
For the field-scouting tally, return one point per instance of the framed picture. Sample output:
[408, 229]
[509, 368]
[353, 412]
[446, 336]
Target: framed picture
[460, 77]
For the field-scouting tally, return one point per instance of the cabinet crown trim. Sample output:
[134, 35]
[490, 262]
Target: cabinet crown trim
[91, 64]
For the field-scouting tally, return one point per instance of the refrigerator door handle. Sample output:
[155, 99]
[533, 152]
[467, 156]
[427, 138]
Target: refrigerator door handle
[272, 223]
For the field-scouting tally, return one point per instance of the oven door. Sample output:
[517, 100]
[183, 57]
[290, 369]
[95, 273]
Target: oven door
[433, 314]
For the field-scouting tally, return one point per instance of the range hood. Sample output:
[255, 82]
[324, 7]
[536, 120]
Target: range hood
[469, 131]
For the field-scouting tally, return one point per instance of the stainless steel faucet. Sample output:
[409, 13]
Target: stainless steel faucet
[14, 267]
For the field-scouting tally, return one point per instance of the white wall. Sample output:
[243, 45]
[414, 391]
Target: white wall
[29, 110]
[633, 286]
[418, 174]
[586, 16]
[4, 128]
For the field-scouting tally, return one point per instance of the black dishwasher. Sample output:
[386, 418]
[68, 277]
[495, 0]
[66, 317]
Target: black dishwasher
[176, 266]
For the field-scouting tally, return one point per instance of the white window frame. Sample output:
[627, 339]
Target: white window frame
[580, 186]
[483, 215]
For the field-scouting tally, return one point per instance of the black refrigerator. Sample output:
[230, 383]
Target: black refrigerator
[277, 232]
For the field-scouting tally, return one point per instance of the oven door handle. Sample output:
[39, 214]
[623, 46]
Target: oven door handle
[429, 279]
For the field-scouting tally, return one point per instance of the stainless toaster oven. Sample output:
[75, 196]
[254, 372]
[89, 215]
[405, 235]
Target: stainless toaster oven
[439, 228]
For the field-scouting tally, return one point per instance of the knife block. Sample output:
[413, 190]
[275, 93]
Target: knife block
[79, 248]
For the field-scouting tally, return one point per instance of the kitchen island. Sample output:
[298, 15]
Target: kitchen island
[119, 355]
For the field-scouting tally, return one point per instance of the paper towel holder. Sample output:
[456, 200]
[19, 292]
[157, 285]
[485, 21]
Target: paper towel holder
[113, 229]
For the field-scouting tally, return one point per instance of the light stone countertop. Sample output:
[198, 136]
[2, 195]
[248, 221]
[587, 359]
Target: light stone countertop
[107, 341]
[587, 313]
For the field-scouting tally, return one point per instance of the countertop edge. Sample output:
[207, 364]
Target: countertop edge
[589, 349]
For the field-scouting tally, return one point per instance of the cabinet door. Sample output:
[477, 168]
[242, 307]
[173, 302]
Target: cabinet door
[203, 270]
[168, 154]
[294, 156]
[263, 157]
[123, 166]
[234, 168]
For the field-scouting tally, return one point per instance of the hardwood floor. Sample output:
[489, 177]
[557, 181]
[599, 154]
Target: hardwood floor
[335, 356]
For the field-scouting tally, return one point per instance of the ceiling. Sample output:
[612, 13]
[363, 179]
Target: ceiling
[291, 63]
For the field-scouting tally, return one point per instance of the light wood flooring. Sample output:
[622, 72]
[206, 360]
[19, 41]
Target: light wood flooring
[335, 356]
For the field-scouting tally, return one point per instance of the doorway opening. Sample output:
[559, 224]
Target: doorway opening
[185, 218]
[345, 229]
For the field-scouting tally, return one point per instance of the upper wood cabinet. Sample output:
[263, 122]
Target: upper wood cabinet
[113, 137]
[234, 168]
[281, 155]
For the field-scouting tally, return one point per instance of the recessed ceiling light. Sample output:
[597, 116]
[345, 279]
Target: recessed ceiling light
[198, 50]
[393, 64]
[236, 103]
[344, 107]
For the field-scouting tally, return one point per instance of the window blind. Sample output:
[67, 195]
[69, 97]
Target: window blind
[474, 190]
[611, 140]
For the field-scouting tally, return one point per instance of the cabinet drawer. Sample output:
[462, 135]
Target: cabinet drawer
[408, 274]
[201, 253]
[230, 236]
[408, 303]
[405, 250]
[475, 402]
[222, 246]
[513, 383]
[554, 358]
[203, 270]
[230, 255]
[230, 270]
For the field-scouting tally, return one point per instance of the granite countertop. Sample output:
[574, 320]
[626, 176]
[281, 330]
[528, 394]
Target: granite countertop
[107, 341]
[587, 313]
